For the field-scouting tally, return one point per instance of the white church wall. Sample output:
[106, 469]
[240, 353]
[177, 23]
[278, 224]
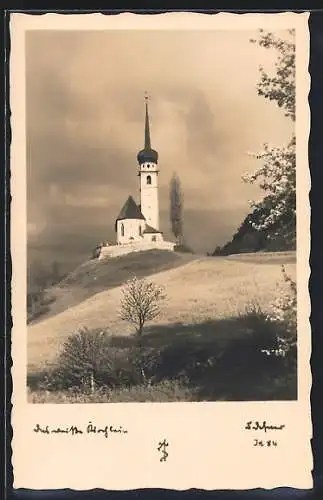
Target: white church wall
[129, 230]
[118, 250]
[154, 237]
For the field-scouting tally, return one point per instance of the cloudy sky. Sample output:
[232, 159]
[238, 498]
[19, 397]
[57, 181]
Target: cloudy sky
[85, 125]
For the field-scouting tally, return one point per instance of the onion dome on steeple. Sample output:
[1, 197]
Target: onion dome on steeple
[147, 154]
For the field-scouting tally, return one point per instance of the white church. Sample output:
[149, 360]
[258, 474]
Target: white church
[137, 225]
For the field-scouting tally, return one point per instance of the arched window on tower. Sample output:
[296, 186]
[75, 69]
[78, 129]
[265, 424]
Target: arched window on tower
[140, 231]
[122, 230]
[148, 179]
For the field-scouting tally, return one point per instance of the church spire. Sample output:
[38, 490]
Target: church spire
[147, 129]
[147, 154]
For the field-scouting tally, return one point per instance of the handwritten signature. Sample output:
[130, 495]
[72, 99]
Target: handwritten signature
[74, 430]
[162, 447]
[254, 425]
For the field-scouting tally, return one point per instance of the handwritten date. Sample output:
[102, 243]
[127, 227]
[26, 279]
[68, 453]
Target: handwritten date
[260, 443]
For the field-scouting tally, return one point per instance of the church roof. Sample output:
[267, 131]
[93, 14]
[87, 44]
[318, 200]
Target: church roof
[147, 154]
[150, 230]
[130, 210]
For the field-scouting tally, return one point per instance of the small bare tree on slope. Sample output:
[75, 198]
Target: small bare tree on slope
[140, 302]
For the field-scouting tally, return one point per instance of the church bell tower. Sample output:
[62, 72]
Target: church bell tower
[148, 175]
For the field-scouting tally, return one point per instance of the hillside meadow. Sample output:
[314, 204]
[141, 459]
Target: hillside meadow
[211, 303]
[94, 276]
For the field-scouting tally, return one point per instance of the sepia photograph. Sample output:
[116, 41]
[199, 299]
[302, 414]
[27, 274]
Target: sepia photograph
[161, 216]
[160, 251]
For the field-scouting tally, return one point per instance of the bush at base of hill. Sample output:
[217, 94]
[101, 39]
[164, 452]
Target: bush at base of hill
[241, 358]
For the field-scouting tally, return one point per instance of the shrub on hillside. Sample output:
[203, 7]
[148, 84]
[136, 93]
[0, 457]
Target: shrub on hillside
[283, 314]
[197, 357]
[280, 340]
[86, 361]
[246, 371]
[231, 367]
[249, 352]
[284, 308]
[142, 363]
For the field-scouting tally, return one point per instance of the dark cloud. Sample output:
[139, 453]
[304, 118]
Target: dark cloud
[84, 96]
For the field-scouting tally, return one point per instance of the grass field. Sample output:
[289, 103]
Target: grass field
[95, 276]
[204, 296]
[164, 392]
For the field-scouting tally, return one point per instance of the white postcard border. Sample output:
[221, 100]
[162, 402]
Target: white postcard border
[209, 448]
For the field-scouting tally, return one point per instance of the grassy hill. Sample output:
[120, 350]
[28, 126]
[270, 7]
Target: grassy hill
[95, 276]
[201, 293]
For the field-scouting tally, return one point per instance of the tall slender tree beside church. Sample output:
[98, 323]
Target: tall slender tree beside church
[176, 209]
